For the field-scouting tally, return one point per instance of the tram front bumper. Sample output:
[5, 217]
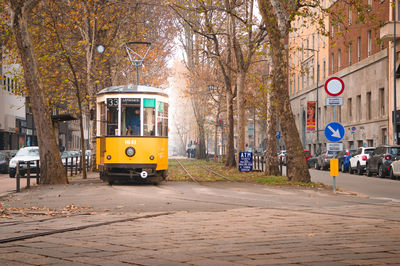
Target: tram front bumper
[130, 170]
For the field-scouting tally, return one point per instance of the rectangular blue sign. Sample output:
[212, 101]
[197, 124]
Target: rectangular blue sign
[245, 161]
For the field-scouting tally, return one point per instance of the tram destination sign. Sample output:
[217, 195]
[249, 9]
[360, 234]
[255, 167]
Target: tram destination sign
[130, 101]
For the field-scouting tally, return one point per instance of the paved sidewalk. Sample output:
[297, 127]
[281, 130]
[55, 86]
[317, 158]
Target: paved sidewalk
[214, 224]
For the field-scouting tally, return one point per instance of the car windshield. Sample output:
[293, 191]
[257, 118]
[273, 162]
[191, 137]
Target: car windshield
[2, 156]
[28, 152]
[394, 151]
[368, 151]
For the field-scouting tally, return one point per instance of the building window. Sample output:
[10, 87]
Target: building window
[369, 43]
[324, 69]
[350, 16]
[339, 63]
[370, 142]
[382, 101]
[369, 113]
[359, 49]
[325, 115]
[319, 116]
[359, 112]
[360, 143]
[339, 114]
[351, 145]
[349, 54]
[384, 136]
[349, 111]
[332, 64]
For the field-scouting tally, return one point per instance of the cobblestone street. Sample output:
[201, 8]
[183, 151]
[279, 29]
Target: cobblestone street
[213, 224]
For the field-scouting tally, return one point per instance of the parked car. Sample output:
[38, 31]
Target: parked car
[344, 159]
[312, 161]
[3, 164]
[358, 161]
[381, 159]
[308, 155]
[282, 156]
[395, 169]
[5, 157]
[24, 154]
[324, 160]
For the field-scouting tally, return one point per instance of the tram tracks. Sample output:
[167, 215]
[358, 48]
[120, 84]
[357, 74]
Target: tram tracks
[204, 168]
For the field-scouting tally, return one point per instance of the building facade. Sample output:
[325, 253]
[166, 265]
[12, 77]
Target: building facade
[357, 56]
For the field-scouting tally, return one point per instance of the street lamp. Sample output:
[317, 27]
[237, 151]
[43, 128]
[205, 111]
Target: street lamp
[317, 113]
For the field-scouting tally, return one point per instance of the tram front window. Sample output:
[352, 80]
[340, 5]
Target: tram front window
[130, 117]
[149, 117]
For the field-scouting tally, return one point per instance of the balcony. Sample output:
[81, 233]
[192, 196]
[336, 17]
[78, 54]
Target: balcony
[386, 31]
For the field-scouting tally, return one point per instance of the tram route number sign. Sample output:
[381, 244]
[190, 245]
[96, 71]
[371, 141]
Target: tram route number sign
[245, 161]
[112, 101]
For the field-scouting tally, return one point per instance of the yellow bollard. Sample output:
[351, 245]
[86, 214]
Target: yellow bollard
[334, 171]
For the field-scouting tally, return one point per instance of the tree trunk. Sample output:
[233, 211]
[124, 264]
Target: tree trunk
[51, 168]
[230, 150]
[241, 112]
[277, 25]
[216, 133]
[271, 160]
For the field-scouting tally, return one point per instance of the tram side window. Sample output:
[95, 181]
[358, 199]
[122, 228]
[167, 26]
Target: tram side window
[112, 121]
[103, 121]
[149, 117]
[130, 116]
[162, 120]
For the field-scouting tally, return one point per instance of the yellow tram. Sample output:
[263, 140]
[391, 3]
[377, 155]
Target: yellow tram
[132, 134]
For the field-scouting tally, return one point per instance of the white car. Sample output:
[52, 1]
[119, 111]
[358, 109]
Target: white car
[359, 160]
[23, 155]
[395, 169]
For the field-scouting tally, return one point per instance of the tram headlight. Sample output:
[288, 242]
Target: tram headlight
[130, 151]
[151, 157]
[108, 157]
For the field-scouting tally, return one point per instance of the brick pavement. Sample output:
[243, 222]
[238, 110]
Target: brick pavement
[352, 233]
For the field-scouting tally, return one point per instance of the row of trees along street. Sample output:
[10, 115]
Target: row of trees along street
[226, 45]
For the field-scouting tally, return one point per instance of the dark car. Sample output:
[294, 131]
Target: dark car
[312, 161]
[381, 159]
[344, 159]
[5, 157]
[324, 160]
[3, 164]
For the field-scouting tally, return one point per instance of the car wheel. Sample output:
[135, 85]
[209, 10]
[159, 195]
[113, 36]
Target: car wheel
[391, 174]
[359, 169]
[316, 166]
[350, 169]
[381, 172]
[367, 171]
[12, 174]
[342, 168]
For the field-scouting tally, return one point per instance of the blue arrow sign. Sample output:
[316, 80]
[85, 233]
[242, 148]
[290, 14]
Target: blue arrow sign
[278, 134]
[334, 132]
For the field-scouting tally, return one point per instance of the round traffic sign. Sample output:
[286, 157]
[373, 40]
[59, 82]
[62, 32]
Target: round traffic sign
[334, 86]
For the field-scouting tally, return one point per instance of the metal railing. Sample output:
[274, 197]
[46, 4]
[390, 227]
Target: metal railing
[75, 167]
[259, 164]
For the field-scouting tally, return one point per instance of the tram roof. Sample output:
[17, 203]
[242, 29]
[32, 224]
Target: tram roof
[132, 88]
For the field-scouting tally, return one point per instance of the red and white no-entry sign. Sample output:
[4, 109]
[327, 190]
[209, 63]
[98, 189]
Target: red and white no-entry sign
[334, 86]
